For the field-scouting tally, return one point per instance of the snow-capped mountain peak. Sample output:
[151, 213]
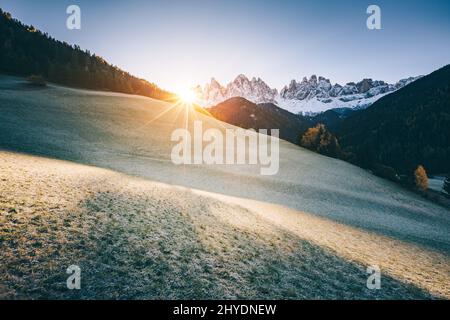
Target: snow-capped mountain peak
[312, 95]
[255, 90]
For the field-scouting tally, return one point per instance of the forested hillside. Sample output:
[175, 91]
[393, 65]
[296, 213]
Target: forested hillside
[404, 129]
[24, 51]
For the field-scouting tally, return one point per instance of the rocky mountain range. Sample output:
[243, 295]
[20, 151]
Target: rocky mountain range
[309, 96]
[255, 90]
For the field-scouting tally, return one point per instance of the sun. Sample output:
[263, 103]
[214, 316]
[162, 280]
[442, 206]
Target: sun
[187, 95]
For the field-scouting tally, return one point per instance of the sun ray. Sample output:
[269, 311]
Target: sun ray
[159, 115]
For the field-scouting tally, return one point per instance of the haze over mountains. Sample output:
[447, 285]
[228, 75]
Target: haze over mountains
[313, 95]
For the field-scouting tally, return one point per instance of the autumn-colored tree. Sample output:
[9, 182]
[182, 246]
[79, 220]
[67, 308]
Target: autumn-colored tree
[421, 178]
[311, 138]
[319, 139]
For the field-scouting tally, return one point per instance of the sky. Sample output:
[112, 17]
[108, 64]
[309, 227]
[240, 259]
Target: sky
[179, 43]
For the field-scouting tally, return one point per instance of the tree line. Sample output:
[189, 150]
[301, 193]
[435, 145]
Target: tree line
[26, 51]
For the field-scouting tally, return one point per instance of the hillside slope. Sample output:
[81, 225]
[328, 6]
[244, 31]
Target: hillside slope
[327, 212]
[132, 134]
[137, 239]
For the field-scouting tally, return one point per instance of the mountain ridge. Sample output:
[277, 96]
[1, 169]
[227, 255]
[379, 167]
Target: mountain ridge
[309, 96]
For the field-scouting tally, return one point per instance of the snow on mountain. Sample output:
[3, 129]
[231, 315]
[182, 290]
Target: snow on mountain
[255, 90]
[309, 96]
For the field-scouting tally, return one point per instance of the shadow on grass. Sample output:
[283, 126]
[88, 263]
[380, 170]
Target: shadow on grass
[144, 245]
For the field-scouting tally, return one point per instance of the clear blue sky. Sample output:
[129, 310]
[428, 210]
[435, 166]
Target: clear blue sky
[185, 42]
